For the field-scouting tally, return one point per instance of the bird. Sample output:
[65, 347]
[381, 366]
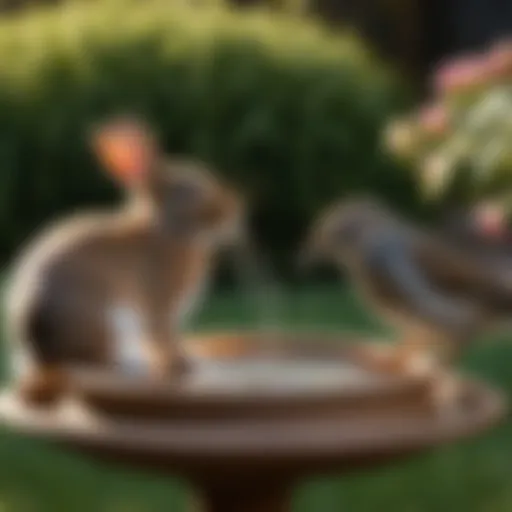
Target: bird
[435, 295]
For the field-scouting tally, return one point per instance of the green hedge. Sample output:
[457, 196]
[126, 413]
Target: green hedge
[291, 112]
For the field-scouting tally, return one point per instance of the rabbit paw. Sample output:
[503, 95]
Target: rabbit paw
[43, 388]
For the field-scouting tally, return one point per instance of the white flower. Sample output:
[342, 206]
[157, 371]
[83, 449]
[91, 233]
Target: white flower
[435, 173]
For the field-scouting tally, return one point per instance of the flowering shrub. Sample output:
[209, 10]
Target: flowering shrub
[467, 127]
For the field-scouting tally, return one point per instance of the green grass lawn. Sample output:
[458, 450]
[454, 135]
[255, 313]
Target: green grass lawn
[470, 476]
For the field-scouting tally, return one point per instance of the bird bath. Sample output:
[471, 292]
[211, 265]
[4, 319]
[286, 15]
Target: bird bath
[253, 419]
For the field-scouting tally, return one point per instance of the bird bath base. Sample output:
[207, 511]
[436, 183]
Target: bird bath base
[254, 418]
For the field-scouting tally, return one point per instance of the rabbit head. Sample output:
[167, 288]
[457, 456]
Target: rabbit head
[187, 198]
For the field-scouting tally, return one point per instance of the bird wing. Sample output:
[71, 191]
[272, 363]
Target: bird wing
[469, 272]
[392, 263]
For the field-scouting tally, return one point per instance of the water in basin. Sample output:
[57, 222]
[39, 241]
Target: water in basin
[276, 376]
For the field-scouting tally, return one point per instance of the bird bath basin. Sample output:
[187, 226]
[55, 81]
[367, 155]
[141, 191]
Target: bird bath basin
[255, 417]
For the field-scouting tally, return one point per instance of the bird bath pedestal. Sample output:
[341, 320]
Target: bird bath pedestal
[252, 419]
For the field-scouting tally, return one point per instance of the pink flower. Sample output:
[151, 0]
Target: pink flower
[434, 119]
[461, 74]
[499, 60]
[435, 174]
[490, 219]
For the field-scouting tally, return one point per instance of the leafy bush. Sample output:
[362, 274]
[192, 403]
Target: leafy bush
[290, 111]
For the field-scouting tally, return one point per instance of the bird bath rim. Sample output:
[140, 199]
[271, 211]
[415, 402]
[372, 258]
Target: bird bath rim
[275, 440]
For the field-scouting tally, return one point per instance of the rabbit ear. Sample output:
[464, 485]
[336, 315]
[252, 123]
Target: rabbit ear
[126, 149]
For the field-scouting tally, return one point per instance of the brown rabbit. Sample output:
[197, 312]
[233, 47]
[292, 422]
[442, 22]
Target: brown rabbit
[148, 260]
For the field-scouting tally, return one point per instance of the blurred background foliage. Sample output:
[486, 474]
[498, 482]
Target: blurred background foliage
[289, 110]
[459, 142]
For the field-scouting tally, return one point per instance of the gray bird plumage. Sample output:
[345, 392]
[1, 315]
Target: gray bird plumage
[437, 296]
